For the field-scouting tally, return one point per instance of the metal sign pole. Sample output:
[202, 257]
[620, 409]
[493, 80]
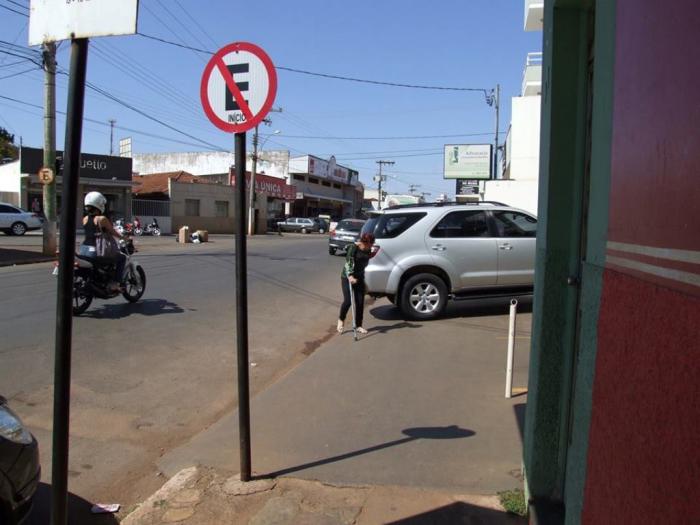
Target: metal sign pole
[64, 303]
[242, 310]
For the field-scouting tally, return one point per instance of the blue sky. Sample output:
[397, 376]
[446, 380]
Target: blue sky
[452, 43]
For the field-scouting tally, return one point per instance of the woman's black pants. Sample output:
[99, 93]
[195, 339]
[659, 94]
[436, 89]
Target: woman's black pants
[359, 290]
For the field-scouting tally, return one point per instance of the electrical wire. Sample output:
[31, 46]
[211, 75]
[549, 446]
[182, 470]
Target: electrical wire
[18, 73]
[13, 11]
[18, 4]
[414, 137]
[327, 75]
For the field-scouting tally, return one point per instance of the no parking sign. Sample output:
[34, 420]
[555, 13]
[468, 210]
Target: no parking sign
[238, 87]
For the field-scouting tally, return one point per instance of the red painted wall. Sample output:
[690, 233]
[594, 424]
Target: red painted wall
[644, 441]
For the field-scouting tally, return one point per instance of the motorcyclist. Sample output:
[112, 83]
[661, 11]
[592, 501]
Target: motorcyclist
[95, 224]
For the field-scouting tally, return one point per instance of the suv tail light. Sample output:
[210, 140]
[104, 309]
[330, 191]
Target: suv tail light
[374, 251]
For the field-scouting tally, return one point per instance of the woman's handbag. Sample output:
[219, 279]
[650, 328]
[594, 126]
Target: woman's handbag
[106, 246]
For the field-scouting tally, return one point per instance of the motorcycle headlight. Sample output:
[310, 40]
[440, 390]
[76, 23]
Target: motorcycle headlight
[11, 427]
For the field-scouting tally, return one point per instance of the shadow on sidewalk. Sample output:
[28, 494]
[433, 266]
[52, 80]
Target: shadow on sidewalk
[460, 512]
[463, 308]
[78, 510]
[144, 307]
[8, 257]
[412, 434]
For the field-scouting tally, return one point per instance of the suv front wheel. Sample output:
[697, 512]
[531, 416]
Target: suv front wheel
[423, 297]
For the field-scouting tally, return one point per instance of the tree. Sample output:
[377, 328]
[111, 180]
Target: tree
[7, 145]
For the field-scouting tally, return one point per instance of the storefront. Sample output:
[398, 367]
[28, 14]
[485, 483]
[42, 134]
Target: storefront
[111, 176]
[323, 188]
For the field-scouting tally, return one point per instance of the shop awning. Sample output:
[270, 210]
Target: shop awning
[301, 195]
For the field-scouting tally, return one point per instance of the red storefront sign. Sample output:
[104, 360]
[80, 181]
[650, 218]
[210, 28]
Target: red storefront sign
[272, 186]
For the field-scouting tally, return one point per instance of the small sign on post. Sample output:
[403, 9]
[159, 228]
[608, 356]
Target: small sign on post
[45, 175]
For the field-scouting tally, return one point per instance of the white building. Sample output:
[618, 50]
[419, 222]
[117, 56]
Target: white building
[521, 162]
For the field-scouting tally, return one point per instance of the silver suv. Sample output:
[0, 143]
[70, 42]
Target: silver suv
[427, 254]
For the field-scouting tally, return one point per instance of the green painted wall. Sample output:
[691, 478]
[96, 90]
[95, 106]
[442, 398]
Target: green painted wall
[594, 259]
[562, 162]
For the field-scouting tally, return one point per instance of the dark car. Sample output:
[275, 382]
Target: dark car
[345, 233]
[19, 466]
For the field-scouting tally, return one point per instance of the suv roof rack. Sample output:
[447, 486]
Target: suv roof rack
[440, 204]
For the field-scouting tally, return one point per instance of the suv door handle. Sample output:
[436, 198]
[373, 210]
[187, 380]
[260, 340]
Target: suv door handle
[505, 247]
[439, 248]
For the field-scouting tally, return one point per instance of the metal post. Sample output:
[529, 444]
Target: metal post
[242, 311]
[251, 190]
[497, 102]
[511, 346]
[49, 190]
[64, 306]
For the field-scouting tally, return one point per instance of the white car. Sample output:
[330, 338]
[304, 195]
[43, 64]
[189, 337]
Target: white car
[16, 221]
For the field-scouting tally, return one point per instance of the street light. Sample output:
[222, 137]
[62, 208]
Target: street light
[251, 190]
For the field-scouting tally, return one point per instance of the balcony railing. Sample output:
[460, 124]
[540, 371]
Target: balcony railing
[532, 76]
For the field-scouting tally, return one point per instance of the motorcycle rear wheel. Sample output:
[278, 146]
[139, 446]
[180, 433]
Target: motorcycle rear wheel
[134, 284]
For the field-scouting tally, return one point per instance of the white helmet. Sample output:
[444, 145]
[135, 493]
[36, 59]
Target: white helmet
[96, 200]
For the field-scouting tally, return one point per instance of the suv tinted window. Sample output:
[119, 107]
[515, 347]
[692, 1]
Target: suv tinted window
[394, 224]
[352, 226]
[459, 224]
[515, 224]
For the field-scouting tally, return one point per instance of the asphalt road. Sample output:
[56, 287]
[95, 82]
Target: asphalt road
[148, 376]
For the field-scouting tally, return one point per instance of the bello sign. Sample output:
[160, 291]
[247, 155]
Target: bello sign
[468, 161]
[52, 20]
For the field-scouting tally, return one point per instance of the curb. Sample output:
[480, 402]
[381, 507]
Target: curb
[173, 485]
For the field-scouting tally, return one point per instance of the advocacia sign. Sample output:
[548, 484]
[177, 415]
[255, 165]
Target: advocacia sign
[468, 161]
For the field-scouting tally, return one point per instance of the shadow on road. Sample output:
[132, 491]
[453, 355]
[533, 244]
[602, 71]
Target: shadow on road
[413, 434]
[460, 512]
[78, 510]
[465, 308]
[519, 410]
[145, 307]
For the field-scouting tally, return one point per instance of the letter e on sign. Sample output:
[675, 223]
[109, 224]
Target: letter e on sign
[238, 87]
[45, 175]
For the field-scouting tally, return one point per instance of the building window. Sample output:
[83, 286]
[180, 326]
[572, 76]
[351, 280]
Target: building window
[298, 177]
[337, 186]
[192, 207]
[221, 208]
[325, 183]
[313, 181]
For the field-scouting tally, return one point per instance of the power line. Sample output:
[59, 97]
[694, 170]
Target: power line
[327, 75]
[194, 21]
[18, 73]
[386, 138]
[12, 10]
[23, 6]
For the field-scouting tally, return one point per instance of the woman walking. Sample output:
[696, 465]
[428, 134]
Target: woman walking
[356, 260]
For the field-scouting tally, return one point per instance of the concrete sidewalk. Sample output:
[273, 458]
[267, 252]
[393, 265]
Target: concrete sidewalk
[413, 408]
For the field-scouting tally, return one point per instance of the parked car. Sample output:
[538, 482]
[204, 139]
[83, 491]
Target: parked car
[345, 233]
[302, 225]
[19, 466]
[16, 221]
[427, 254]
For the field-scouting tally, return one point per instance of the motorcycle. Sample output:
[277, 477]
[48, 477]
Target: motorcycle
[128, 228]
[93, 278]
[153, 228]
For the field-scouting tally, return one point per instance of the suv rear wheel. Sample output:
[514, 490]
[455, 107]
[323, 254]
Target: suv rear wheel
[423, 297]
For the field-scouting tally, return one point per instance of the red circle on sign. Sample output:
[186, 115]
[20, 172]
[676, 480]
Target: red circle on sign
[272, 87]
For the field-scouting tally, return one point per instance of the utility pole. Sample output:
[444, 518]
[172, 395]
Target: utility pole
[253, 172]
[381, 177]
[413, 187]
[495, 151]
[49, 193]
[111, 136]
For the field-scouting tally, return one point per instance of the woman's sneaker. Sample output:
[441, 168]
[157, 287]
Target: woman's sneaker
[361, 330]
[340, 326]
